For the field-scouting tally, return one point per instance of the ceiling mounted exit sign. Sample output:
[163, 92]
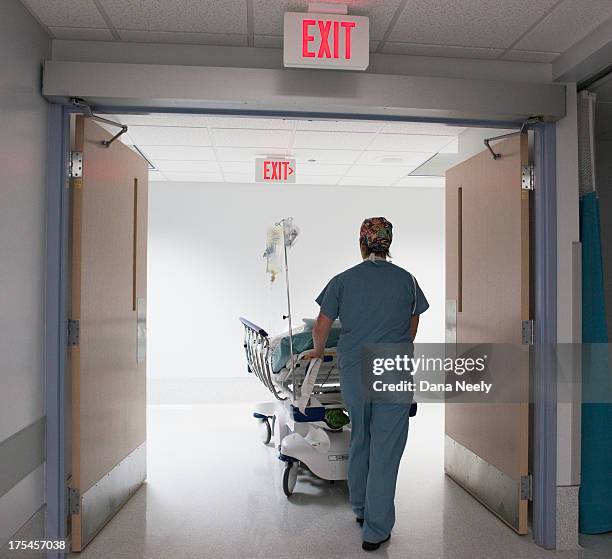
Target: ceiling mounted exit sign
[275, 170]
[332, 41]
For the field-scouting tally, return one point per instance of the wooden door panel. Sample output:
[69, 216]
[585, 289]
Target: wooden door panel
[488, 275]
[109, 216]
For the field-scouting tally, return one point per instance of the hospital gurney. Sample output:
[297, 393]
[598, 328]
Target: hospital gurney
[301, 437]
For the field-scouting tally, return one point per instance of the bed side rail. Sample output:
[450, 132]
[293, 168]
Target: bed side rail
[252, 326]
[257, 349]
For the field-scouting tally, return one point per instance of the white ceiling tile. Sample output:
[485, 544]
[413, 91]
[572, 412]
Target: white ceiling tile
[68, 13]
[193, 177]
[569, 22]
[530, 56]
[469, 23]
[203, 16]
[437, 165]
[314, 169]
[247, 154]
[449, 51]
[238, 178]
[340, 125]
[394, 158]
[183, 38]
[451, 147]
[432, 128]
[380, 14]
[156, 176]
[179, 153]
[239, 167]
[330, 140]
[268, 14]
[422, 182]
[208, 167]
[390, 171]
[314, 179]
[410, 142]
[329, 156]
[81, 34]
[250, 138]
[268, 41]
[169, 136]
[161, 119]
[248, 122]
[367, 181]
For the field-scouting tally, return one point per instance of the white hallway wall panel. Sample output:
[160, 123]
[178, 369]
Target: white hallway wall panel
[206, 269]
[23, 145]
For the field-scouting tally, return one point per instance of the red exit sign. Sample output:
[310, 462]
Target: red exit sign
[332, 41]
[275, 170]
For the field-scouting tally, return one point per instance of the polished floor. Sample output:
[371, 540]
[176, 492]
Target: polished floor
[214, 491]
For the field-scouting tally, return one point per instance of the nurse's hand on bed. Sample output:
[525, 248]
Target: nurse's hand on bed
[313, 354]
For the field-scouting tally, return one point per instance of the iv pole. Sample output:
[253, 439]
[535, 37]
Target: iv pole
[288, 317]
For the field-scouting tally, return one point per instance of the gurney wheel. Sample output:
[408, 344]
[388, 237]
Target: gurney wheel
[266, 431]
[290, 477]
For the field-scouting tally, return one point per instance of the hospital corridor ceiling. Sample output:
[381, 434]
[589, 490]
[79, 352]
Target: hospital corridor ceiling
[199, 148]
[513, 30]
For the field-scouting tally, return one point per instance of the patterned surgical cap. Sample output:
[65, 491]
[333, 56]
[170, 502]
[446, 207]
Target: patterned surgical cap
[376, 234]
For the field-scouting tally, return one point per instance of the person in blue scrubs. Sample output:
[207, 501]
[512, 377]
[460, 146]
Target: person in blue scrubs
[376, 302]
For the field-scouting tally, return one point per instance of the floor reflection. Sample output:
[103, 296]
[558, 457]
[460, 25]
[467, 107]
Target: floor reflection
[215, 491]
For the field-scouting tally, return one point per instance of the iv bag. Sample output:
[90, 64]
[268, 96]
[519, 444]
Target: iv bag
[290, 232]
[273, 253]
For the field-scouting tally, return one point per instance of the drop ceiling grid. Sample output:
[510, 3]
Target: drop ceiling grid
[214, 147]
[190, 148]
[375, 135]
[519, 30]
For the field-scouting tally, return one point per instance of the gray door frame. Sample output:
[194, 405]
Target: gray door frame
[545, 281]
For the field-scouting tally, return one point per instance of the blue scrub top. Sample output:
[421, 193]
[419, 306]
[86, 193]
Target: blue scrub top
[374, 301]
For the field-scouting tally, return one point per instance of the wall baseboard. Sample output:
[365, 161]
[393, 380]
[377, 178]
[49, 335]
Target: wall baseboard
[19, 506]
[567, 517]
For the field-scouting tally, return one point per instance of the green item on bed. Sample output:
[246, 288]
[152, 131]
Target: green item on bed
[336, 418]
[302, 341]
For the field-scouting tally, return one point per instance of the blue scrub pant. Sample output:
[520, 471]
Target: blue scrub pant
[378, 437]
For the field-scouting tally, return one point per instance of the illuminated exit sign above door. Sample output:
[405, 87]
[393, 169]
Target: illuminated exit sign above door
[331, 41]
[275, 170]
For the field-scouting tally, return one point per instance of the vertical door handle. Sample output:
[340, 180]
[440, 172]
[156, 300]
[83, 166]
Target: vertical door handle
[459, 249]
[134, 243]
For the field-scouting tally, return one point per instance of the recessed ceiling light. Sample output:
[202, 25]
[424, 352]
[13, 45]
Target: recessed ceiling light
[392, 159]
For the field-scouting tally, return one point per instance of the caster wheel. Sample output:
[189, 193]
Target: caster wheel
[290, 477]
[265, 431]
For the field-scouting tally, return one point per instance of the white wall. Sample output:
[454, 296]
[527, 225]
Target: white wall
[568, 319]
[568, 298]
[206, 267]
[23, 130]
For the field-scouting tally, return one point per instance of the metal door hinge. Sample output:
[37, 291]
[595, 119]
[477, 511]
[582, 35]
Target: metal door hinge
[73, 332]
[527, 488]
[74, 500]
[528, 332]
[527, 177]
[75, 167]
